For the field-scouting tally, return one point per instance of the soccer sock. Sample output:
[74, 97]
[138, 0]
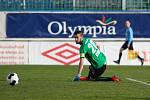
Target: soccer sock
[90, 74]
[139, 57]
[104, 79]
[120, 55]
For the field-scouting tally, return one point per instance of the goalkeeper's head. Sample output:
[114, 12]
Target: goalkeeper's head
[78, 35]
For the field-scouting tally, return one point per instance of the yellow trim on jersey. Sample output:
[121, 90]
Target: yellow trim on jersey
[82, 55]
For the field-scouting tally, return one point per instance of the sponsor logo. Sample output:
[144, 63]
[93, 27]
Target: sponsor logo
[103, 27]
[65, 54]
[105, 21]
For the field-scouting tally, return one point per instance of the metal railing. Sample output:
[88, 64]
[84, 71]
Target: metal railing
[98, 5]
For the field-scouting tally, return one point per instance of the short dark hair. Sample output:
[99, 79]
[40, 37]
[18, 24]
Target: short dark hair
[77, 32]
[128, 20]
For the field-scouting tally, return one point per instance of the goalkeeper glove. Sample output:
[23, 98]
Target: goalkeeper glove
[77, 78]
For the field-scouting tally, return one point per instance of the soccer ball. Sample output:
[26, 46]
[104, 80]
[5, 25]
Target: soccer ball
[13, 79]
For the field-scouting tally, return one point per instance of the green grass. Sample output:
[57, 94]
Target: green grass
[55, 83]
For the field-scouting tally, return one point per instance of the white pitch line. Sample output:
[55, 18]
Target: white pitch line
[138, 81]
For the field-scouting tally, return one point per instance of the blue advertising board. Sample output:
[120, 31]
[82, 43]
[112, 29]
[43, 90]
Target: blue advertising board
[63, 25]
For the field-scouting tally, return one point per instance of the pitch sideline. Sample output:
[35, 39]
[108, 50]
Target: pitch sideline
[138, 81]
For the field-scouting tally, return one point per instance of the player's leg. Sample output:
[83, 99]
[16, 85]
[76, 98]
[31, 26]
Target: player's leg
[94, 73]
[91, 72]
[140, 58]
[86, 78]
[97, 73]
[123, 47]
[113, 78]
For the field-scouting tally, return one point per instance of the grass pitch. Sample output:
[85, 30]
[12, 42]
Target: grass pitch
[38, 82]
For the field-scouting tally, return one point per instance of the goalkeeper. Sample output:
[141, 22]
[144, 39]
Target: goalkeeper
[128, 43]
[97, 59]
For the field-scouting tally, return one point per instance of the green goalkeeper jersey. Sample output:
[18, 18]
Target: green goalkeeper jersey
[90, 51]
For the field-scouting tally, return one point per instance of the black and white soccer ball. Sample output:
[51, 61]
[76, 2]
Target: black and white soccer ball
[13, 79]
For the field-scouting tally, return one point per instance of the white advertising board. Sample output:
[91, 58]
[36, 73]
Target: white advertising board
[67, 53]
[64, 53]
[2, 24]
[12, 53]
[54, 53]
